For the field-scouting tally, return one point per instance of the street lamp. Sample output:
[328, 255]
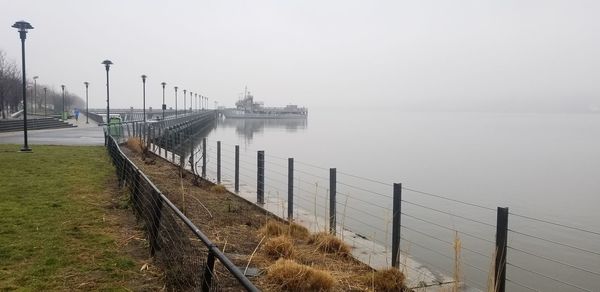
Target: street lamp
[184, 101]
[23, 26]
[34, 93]
[144, 104]
[191, 96]
[175, 101]
[164, 106]
[107, 64]
[196, 99]
[62, 114]
[86, 101]
[45, 104]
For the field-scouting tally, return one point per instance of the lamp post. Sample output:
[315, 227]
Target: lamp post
[175, 101]
[86, 102]
[191, 97]
[62, 114]
[184, 101]
[23, 26]
[34, 93]
[144, 94]
[196, 100]
[107, 64]
[164, 106]
[45, 104]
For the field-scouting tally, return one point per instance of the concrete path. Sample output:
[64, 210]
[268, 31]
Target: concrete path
[83, 134]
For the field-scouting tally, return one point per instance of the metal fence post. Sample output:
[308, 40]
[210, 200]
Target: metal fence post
[208, 271]
[155, 224]
[161, 144]
[290, 207]
[172, 140]
[260, 177]
[204, 157]
[237, 168]
[332, 193]
[501, 242]
[219, 162]
[192, 162]
[396, 224]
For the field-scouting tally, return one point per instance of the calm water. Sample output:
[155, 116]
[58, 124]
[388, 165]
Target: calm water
[540, 165]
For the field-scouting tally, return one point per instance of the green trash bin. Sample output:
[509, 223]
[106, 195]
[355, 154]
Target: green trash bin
[114, 127]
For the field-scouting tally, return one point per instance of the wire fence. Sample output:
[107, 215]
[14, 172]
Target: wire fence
[186, 255]
[458, 240]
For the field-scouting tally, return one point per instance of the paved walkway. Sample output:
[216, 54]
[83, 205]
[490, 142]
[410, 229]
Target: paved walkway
[83, 134]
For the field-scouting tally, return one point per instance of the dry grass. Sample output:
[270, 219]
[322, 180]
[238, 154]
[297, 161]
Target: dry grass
[245, 230]
[297, 231]
[291, 276]
[279, 247]
[329, 243]
[219, 189]
[386, 280]
[135, 144]
[272, 228]
[277, 228]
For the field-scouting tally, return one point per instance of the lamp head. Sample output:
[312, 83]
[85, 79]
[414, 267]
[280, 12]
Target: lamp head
[107, 63]
[63, 87]
[144, 78]
[22, 26]
[163, 84]
[176, 88]
[35, 77]
[86, 83]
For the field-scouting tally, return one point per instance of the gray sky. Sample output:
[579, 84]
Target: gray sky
[418, 55]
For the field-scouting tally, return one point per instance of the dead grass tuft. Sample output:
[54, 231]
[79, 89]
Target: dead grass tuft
[291, 276]
[276, 228]
[135, 144]
[279, 247]
[297, 231]
[390, 279]
[219, 189]
[329, 243]
[272, 228]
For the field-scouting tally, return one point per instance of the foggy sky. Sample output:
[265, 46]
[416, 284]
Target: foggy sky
[522, 55]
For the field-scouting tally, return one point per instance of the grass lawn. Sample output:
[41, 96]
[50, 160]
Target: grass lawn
[61, 227]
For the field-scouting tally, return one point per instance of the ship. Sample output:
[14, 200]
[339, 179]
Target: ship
[247, 108]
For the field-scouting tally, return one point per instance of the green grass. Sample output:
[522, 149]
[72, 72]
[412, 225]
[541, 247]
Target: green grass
[54, 231]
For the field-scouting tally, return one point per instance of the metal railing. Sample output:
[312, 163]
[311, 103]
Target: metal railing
[189, 264]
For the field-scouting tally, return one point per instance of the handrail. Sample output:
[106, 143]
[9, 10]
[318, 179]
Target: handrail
[242, 279]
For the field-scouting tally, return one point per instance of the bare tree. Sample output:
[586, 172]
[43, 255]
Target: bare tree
[9, 84]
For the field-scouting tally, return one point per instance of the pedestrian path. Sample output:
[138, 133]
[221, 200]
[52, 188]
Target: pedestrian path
[83, 134]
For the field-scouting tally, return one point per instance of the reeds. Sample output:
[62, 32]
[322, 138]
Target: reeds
[457, 259]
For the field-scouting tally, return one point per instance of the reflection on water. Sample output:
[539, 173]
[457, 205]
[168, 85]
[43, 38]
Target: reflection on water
[246, 128]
